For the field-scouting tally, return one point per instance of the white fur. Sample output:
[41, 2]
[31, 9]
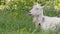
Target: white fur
[48, 23]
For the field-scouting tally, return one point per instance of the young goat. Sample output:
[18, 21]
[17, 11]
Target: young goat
[44, 22]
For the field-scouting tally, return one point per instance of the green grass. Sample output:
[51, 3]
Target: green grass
[20, 22]
[10, 23]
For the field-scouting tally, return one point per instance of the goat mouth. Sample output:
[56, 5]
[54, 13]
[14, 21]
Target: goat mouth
[30, 14]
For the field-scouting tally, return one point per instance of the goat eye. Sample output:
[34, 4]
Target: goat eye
[37, 8]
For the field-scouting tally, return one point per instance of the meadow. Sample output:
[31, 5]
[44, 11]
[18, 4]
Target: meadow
[16, 19]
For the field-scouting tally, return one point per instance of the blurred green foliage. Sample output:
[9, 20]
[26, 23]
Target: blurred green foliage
[15, 19]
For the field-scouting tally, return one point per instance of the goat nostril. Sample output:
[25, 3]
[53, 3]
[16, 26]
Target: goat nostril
[29, 12]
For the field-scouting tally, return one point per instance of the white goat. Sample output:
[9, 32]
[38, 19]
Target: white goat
[44, 22]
